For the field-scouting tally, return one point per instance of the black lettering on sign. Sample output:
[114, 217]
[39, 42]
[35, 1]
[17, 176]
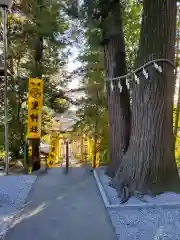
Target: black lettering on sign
[34, 129]
[34, 117]
[35, 84]
[53, 149]
[35, 105]
[35, 93]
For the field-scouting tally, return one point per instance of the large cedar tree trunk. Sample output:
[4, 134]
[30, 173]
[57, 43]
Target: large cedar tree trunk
[37, 73]
[176, 125]
[118, 103]
[149, 164]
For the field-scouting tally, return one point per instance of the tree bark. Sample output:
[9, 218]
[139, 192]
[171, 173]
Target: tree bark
[176, 125]
[149, 164]
[118, 102]
[37, 72]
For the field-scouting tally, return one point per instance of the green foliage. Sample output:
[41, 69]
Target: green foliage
[132, 24]
[177, 147]
[78, 156]
[93, 112]
[47, 120]
[2, 155]
[36, 30]
[104, 158]
[46, 139]
[177, 151]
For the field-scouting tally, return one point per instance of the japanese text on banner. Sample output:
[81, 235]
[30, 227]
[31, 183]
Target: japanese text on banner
[35, 104]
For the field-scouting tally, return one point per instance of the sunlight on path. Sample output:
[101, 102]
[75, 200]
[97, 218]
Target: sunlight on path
[68, 207]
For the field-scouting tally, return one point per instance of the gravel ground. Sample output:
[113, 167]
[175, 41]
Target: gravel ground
[113, 198]
[13, 193]
[144, 223]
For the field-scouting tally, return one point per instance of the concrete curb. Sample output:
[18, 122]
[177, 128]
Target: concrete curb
[105, 199]
[101, 189]
[129, 206]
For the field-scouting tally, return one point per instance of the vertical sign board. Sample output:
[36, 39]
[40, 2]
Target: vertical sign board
[53, 151]
[35, 104]
[95, 159]
[57, 149]
[61, 146]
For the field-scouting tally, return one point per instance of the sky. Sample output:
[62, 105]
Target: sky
[72, 65]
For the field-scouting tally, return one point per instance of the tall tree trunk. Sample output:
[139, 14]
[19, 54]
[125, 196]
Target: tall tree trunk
[149, 164]
[37, 73]
[118, 102]
[176, 76]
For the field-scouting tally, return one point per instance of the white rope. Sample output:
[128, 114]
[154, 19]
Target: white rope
[143, 66]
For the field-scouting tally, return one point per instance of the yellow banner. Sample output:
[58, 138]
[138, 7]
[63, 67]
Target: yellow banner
[35, 105]
[53, 154]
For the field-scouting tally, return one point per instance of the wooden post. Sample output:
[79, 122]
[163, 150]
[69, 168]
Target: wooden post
[82, 155]
[67, 156]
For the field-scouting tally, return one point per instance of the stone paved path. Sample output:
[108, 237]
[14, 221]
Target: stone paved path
[64, 207]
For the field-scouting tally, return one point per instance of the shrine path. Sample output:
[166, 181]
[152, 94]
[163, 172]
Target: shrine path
[63, 207]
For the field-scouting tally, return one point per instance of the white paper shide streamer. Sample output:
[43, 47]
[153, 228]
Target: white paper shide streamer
[127, 83]
[112, 86]
[145, 73]
[157, 67]
[119, 86]
[136, 79]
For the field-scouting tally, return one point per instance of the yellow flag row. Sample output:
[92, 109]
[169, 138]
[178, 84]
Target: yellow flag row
[91, 153]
